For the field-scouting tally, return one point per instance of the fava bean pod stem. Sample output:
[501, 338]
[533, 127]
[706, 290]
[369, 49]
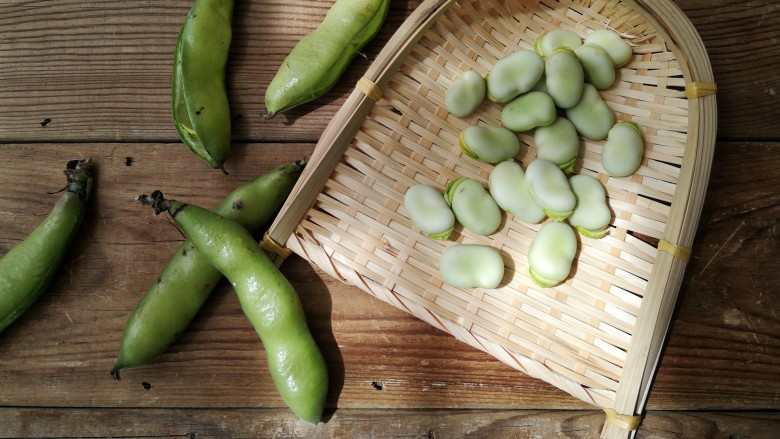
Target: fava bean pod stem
[28, 268]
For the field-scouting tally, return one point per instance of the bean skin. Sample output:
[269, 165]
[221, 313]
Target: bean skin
[201, 110]
[181, 289]
[320, 58]
[267, 298]
[28, 268]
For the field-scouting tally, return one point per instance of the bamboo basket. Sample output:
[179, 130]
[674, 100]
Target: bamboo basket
[598, 335]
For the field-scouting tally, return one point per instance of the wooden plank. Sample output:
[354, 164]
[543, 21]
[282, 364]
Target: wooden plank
[101, 71]
[356, 423]
[723, 349]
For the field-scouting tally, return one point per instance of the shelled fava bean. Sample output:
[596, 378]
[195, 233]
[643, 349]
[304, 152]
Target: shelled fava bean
[591, 216]
[623, 150]
[465, 94]
[509, 188]
[559, 143]
[514, 75]
[552, 253]
[562, 75]
[489, 144]
[473, 206]
[428, 210]
[549, 187]
[472, 266]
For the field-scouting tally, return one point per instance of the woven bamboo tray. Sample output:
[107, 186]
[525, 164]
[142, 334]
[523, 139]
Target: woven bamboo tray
[598, 335]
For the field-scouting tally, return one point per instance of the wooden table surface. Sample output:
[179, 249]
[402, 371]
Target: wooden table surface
[92, 79]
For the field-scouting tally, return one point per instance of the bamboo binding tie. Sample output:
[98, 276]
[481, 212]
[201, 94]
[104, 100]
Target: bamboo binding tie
[626, 422]
[698, 89]
[268, 244]
[369, 88]
[678, 251]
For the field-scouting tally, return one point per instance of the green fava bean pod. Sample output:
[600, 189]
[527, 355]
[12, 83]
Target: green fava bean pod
[471, 266]
[617, 48]
[548, 185]
[201, 110]
[514, 75]
[559, 143]
[597, 65]
[473, 206]
[428, 211]
[319, 59]
[552, 253]
[564, 77]
[591, 115]
[188, 279]
[623, 151]
[489, 144]
[267, 298]
[528, 111]
[546, 43]
[592, 215]
[509, 189]
[28, 268]
[465, 94]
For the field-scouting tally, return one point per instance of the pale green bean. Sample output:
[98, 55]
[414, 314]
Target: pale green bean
[473, 206]
[547, 42]
[591, 217]
[471, 266]
[465, 94]
[509, 188]
[617, 48]
[597, 65]
[428, 211]
[552, 253]
[548, 185]
[623, 150]
[559, 143]
[591, 115]
[528, 111]
[564, 77]
[513, 75]
[489, 144]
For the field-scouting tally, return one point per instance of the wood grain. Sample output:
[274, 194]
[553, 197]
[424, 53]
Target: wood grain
[374, 424]
[89, 78]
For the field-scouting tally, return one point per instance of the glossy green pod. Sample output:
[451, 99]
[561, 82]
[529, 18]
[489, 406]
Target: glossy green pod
[513, 75]
[28, 268]
[267, 298]
[528, 111]
[465, 94]
[319, 59]
[201, 111]
[489, 144]
[591, 115]
[188, 279]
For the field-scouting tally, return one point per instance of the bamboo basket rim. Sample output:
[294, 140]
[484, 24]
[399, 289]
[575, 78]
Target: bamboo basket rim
[625, 401]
